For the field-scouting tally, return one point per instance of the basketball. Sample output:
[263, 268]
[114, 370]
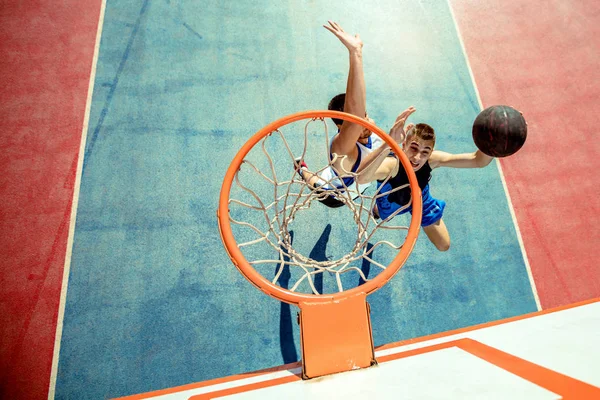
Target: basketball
[499, 131]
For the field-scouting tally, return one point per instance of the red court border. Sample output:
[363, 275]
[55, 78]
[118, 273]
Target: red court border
[543, 60]
[46, 55]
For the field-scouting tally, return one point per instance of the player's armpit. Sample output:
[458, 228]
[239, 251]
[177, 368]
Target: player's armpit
[345, 141]
[389, 167]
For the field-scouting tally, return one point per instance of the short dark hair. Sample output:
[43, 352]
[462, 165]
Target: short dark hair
[423, 131]
[337, 104]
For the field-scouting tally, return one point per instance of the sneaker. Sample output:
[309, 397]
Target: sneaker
[298, 165]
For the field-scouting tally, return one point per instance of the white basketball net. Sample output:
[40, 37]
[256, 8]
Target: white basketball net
[273, 209]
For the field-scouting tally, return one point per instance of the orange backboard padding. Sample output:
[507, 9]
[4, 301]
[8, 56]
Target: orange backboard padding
[336, 336]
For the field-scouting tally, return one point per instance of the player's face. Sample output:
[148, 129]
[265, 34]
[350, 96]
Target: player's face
[417, 150]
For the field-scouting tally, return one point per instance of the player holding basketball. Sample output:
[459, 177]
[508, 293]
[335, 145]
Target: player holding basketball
[419, 148]
[356, 151]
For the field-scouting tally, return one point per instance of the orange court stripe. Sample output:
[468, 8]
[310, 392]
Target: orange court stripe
[566, 386]
[247, 388]
[288, 379]
[211, 382]
[419, 351]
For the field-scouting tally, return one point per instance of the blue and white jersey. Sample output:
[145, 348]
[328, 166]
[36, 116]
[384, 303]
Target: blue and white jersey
[329, 175]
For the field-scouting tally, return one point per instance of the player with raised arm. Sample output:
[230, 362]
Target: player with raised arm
[352, 150]
[419, 148]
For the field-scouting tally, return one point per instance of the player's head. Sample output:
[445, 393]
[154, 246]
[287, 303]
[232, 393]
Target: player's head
[337, 104]
[419, 144]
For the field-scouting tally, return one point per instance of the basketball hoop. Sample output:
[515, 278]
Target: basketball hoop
[335, 327]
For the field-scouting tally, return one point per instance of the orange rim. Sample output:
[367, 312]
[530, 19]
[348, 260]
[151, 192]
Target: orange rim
[278, 292]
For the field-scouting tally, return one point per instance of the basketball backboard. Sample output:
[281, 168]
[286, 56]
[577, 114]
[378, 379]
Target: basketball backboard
[551, 354]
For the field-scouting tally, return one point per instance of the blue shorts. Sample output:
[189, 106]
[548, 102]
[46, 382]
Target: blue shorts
[433, 209]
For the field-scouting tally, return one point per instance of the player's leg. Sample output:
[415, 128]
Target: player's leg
[383, 206]
[438, 235]
[314, 182]
[307, 176]
[375, 212]
[431, 221]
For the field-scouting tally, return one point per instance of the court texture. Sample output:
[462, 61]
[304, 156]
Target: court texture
[120, 118]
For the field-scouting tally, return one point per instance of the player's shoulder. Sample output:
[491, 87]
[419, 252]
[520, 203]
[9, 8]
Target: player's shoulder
[437, 157]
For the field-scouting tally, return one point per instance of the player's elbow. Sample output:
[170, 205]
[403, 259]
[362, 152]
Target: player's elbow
[482, 160]
[351, 105]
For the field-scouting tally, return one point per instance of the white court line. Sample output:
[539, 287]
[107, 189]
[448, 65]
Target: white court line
[67, 266]
[510, 205]
[186, 394]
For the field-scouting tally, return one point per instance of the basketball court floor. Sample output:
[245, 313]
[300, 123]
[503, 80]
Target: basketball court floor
[119, 122]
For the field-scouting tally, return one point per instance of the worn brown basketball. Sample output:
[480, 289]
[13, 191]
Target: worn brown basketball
[499, 131]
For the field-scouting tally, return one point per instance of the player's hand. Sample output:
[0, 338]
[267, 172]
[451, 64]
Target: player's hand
[398, 131]
[352, 43]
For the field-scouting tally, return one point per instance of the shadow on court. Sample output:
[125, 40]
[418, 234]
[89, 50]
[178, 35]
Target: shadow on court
[286, 337]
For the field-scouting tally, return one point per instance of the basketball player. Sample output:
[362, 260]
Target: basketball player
[357, 152]
[419, 148]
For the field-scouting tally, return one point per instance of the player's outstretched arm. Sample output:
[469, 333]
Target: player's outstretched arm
[377, 165]
[355, 103]
[477, 159]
